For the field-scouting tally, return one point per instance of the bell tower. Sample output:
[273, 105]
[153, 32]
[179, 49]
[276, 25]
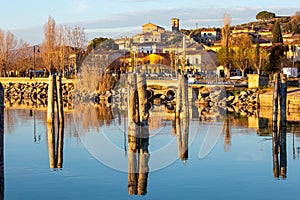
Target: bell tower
[175, 24]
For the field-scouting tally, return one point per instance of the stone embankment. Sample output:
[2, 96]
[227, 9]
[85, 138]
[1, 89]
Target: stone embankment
[31, 93]
[244, 102]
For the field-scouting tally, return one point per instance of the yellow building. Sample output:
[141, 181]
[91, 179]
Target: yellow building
[149, 28]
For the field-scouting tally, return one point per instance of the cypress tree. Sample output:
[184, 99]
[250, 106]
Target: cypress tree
[277, 36]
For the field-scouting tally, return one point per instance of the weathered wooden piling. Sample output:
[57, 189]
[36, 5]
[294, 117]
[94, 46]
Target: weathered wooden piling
[282, 99]
[1, 142]
[142, 98]
[275, 97]
[279, 134]
[179, 96]
[51, 88]
[59, 100]
[138, 135]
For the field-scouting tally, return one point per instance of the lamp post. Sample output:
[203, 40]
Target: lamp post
[35, 48]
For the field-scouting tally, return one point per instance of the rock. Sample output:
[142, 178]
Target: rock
[230, 99]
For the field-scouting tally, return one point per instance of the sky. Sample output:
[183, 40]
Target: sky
[119, 18]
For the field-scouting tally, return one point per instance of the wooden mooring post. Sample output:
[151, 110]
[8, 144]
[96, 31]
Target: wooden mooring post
[55, 98]
[55, 146]
[138, 135]
[1, 142]
[279, 134]
[50, 110]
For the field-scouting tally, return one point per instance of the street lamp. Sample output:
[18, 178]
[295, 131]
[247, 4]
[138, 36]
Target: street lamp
[34, 61]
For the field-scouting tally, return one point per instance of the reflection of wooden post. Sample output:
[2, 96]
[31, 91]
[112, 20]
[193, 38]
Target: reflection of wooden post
[50, 111]
[132, 166]
[1, 142]
[59, 99]
[51, 145]
[143, 173]
[60, 146]
[182, 130]
[275, 150]
[283, 155]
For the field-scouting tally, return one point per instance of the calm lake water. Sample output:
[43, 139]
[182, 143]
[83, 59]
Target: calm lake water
[225, 159]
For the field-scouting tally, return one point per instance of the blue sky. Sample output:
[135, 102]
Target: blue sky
[116, 18]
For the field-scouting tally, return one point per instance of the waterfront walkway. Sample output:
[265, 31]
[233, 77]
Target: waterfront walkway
[293, 104]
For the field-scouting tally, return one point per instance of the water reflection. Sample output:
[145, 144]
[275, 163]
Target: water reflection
[279, 151]
[55, 145]
[138, 158]
[1, 162]
[182, 131]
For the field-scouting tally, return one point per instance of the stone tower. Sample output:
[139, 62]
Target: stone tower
[175, 24]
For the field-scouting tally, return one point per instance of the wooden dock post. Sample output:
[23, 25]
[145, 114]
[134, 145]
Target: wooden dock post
[50, 111]
[282, 129]
[279, 134]
[59, 99]
[275, 98]
[283, 97]
[179, 96]
[142, 97]
[138, 135]
[1, 142]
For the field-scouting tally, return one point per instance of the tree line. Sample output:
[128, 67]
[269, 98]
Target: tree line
[61, 51]
[239, 51]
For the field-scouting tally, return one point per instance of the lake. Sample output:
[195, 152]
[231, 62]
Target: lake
[93, 156]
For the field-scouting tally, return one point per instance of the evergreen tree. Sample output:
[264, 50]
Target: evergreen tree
[277, 36]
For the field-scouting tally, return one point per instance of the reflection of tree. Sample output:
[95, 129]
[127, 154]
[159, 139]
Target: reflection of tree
[104, 115]
[93, 116]
[55, 146]
[226, 134]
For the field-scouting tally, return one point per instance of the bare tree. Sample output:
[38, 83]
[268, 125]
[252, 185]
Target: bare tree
[243, 45]
[23, 62]
[76, 40]
[8, 48]
[49, 45]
